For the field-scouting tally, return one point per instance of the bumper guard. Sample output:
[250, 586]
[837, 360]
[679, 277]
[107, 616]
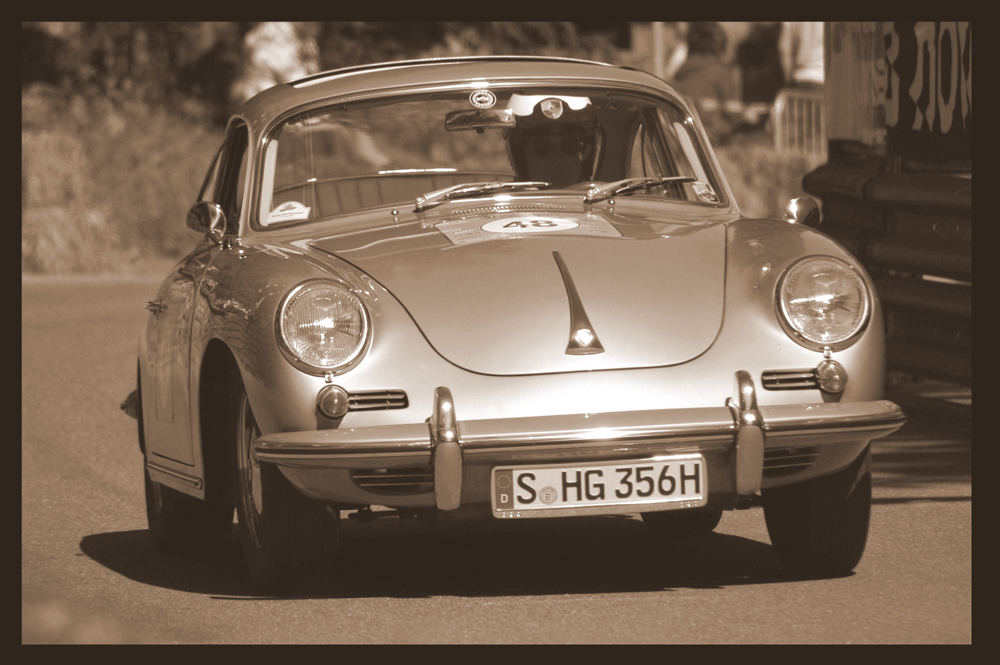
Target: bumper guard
[740, 425]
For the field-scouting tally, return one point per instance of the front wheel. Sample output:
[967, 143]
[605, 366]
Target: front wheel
[284, 535]
[179, 523]
[820, 526]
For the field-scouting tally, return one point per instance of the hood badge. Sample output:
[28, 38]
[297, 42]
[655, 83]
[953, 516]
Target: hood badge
[582, 338]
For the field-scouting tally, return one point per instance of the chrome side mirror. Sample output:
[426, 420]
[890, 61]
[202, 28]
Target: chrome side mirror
[207, 217]
[802, 210]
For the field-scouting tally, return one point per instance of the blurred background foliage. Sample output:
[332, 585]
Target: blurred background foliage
[120, 120]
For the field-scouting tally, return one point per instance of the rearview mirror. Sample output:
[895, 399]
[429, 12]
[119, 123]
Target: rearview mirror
[207, 217]
[802, 210]
[478, 119]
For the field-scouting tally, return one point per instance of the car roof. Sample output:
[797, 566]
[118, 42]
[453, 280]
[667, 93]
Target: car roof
[263, 108]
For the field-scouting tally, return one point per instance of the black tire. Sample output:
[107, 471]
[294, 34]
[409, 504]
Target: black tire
[820, 526]
[689, 523]
[182, 524]
[178, 523]
[285, 537]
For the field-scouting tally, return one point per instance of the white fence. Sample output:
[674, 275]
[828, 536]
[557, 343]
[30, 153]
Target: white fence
[799, 122]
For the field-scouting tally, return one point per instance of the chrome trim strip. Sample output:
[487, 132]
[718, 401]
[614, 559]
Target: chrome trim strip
[833, 417]
[396, 474]
[555, 441]
[795, 465]
[191, 481]
[447, 457]
[579, 324]
[320, 77]
[335, 460]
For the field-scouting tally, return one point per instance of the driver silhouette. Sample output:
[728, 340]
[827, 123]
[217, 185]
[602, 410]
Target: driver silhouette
[553, 142]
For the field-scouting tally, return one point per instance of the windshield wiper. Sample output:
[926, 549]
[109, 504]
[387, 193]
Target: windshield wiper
[439, 196]
[595, 194]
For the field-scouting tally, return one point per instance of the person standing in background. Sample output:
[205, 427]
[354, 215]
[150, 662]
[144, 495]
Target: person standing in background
[801, 46]
[761, 69]
[709, 81]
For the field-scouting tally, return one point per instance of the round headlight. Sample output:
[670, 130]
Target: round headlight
[323, 326]
[823, 302]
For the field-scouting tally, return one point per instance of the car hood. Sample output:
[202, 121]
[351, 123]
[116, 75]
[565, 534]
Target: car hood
[488, 293]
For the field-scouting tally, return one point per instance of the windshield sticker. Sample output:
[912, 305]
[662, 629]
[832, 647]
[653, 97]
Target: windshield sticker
[478, 229]
[705, 192]
[289, 211]
[482, 99]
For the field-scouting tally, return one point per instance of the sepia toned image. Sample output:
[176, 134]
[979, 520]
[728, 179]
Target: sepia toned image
[496, 333]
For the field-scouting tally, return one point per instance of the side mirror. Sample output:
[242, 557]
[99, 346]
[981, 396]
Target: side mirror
[207, 217]
[802, 210]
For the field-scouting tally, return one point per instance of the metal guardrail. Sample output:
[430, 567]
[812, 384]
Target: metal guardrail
[799, 122]
[912, 231]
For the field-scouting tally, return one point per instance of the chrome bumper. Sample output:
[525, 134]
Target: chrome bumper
[740, 430]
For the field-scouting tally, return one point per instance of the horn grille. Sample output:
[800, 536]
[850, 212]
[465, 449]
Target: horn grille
[370, 400]
[785, 461]
[394, 482]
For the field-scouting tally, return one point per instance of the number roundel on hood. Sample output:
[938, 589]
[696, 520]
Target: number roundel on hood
[529, 224]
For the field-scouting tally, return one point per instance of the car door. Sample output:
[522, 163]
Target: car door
[170, 326]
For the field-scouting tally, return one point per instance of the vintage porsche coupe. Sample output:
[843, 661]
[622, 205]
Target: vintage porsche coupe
[512, 287]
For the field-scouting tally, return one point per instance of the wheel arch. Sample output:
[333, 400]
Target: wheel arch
[217, 382]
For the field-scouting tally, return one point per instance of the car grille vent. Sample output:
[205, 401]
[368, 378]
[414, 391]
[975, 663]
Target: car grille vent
[784, 461]
[415, 480]
[371, 400]
[789, 379]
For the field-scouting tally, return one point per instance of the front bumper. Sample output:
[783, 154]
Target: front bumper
[446, 463]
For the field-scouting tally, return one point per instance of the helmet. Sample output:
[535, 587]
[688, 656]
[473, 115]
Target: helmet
[554, 138]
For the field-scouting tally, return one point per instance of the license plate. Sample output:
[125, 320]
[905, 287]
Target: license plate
[660, 483]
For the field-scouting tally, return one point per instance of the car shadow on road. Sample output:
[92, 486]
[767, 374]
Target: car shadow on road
[393, 558]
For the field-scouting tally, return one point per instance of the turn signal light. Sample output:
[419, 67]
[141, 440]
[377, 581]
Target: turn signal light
[831, 376]
[332, 401]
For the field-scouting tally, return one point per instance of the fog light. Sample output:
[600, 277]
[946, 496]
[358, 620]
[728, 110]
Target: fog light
[831, 376]
[332, 401]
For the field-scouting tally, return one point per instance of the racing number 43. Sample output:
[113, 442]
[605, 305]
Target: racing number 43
[536, 223]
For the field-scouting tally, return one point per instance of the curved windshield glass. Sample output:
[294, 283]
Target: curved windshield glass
[390, 150]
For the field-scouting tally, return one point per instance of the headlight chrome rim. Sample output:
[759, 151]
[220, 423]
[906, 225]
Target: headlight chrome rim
[304, 366]
[784, 317]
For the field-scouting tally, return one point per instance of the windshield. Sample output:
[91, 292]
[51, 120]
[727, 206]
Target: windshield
[391, 150]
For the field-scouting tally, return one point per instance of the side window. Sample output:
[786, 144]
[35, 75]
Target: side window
[229, 193]
[241, 178]
[644, 160]
[210, 183]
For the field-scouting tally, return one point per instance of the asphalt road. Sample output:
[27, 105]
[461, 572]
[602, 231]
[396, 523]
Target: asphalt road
[90, 574]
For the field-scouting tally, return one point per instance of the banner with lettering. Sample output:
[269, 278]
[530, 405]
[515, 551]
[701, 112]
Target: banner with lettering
[928, 90]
